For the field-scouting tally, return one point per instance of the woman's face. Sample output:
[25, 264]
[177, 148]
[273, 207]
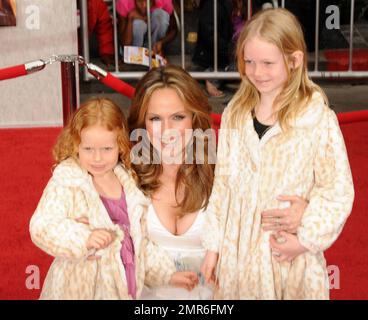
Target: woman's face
[169, 124]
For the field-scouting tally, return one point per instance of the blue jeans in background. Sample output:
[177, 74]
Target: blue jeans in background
[160, 20]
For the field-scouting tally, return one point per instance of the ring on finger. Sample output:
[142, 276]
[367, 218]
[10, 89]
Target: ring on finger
[276, 254]
[277, 221]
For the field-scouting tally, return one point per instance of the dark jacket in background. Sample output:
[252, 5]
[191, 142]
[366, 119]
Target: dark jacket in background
[204, 51]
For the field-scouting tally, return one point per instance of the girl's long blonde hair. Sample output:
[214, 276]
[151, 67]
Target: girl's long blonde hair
[96, 111]
[197, 179]
[281, 28]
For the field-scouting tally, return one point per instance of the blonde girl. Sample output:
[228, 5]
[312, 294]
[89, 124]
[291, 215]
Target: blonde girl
[278, 136]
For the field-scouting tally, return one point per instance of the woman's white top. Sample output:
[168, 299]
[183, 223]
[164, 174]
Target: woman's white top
[186, 250]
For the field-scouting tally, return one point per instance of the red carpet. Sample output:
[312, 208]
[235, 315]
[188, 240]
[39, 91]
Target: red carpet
[25, 168]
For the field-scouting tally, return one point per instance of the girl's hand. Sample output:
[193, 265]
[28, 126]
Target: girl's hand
[99, 238]
[184, 279]
[287, 219]
[289, 249]
[209, 266]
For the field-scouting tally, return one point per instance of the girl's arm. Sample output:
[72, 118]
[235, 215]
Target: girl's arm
[216, 209]
[52, 230]
[332, 196]
[159, 267]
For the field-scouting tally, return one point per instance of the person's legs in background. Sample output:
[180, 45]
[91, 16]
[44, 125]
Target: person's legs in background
[139, 32]
[213, 86]
[160, 20]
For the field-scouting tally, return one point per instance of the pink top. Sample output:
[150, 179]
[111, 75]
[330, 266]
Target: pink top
[123, 7]
[117, 210]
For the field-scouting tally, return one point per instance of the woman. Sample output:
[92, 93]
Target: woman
[168, 101]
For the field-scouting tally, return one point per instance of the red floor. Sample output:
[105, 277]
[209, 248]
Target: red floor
[25, 168]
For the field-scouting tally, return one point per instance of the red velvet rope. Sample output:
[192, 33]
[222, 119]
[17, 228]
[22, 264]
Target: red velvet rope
[351, 117]
[118, 85]
[216, 120]
[128, 91]
[13, 72]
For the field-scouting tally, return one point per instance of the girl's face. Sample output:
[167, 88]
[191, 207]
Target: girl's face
[265, 66]
[167, 121]
[98, 150]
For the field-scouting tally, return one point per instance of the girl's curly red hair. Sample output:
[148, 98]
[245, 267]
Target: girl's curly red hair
[99, 111]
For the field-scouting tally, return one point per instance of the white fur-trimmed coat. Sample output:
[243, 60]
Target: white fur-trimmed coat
[70, 194]
[250, 173]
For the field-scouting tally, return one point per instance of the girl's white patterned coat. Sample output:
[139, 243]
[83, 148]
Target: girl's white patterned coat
[70, 194]
[310, 162]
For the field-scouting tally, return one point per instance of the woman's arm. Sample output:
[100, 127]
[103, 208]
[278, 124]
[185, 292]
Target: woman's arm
[332, 196]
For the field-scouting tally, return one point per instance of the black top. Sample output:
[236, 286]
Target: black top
[260, 128]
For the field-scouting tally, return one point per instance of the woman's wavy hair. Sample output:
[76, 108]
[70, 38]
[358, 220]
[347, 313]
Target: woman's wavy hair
[96, 111]
[281, 28]
[197, 179]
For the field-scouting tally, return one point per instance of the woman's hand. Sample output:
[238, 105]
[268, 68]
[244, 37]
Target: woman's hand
[287, 219]
[209, 266]
[184, 279]
[286, 246]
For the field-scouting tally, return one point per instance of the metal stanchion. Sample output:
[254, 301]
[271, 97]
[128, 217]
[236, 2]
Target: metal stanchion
[68, 87]
[69, 78]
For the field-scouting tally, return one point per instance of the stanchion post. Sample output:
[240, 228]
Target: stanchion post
[68, 84]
